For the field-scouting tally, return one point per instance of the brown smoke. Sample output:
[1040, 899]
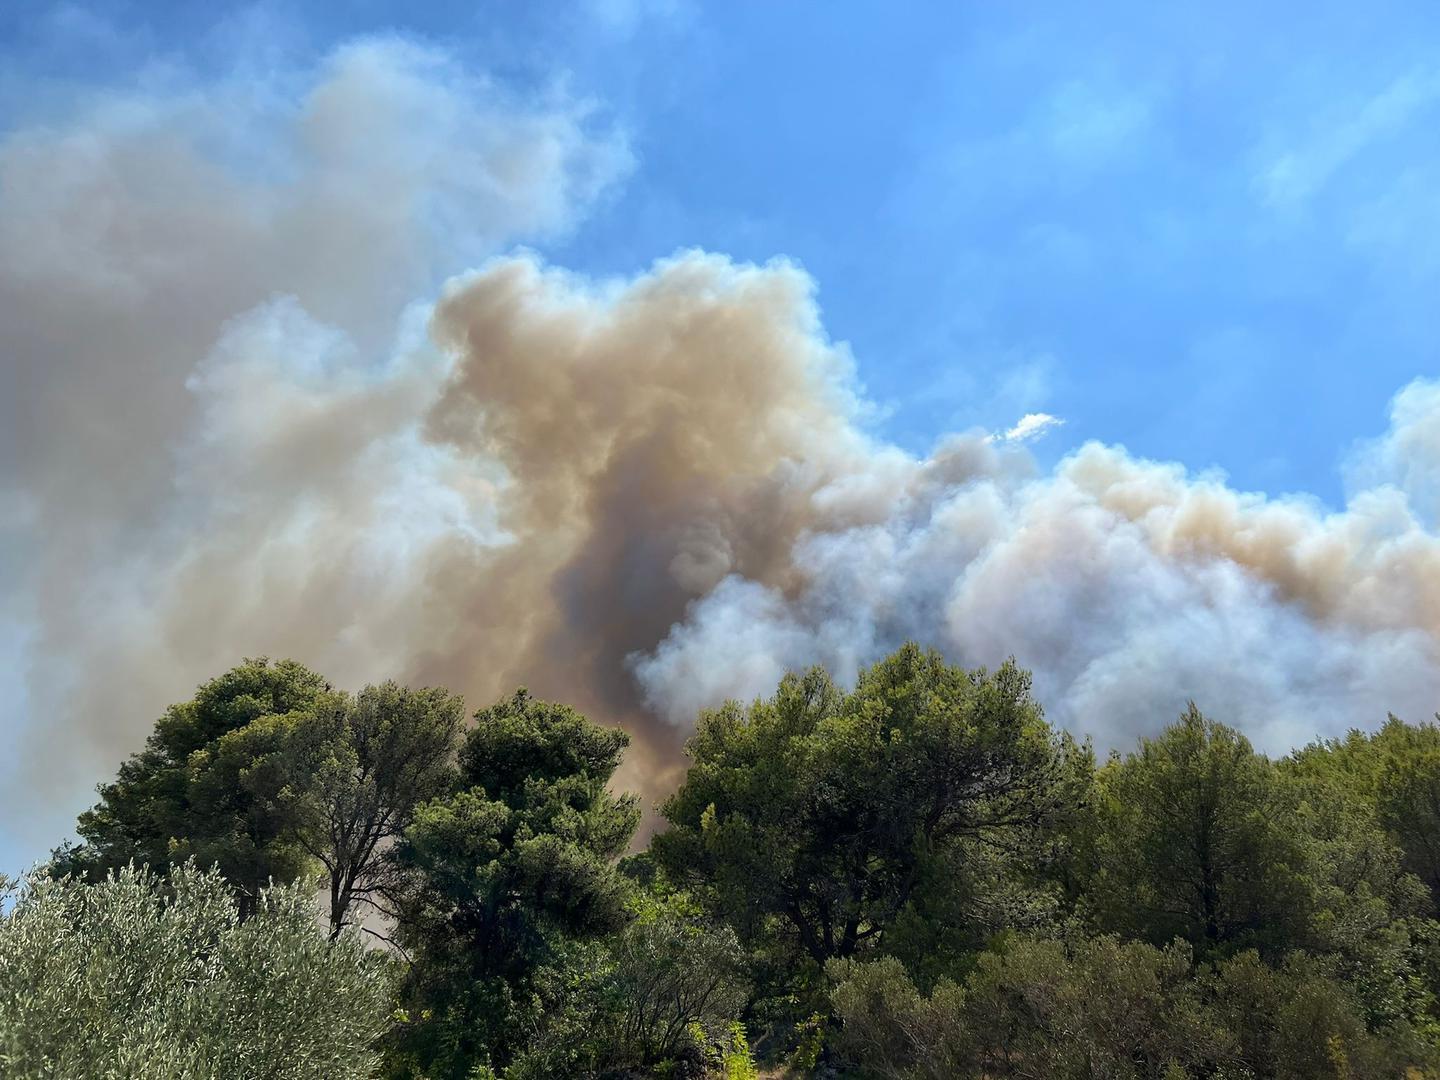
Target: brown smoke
[655, 441]
[692, 507]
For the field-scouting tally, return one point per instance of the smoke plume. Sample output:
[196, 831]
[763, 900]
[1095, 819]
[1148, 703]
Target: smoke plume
[241, 417]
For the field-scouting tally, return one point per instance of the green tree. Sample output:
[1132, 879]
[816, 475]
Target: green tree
[1198, 838]
[1396, 770]
[506, 886]
[194, 790]
[155, 975]
[824, 818]
[354, 771]
[675, 975]
[1408, 795]
[267, 772]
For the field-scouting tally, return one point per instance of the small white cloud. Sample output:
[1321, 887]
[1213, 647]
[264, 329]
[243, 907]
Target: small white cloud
[1030, 427]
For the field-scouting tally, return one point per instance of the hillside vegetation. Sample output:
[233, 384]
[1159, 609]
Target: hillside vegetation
[915, 878]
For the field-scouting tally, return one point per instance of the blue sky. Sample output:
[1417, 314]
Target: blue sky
[1208, 233]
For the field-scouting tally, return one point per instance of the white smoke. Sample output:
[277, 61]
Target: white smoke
[1129, 588]
[1405, 457]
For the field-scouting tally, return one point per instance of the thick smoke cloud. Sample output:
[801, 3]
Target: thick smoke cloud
[212, 378]
[237, 426]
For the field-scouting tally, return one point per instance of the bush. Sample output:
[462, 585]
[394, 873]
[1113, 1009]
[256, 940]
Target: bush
[657, 1001]
[1123, 1010]
[735, 1060]
[156, 976]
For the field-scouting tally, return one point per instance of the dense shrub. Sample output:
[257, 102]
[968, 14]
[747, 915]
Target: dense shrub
[144, 975]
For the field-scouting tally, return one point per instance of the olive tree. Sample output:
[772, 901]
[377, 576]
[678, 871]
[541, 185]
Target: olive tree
[155, 975]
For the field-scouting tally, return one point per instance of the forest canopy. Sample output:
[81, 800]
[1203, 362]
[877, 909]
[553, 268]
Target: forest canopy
[915, 877]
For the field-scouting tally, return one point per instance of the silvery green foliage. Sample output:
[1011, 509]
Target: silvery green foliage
[153, 976]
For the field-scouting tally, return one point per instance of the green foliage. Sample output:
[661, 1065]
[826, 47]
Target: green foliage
[155, 976]
[1396, 773]
[1039, 1008]
[818, 820]
[1197, 839]
[501, 885]
[353, 774]
[917, 878]
[1124, 1010]
[268, 772]
[675, 976]
[195, 791]
[809, 1045]
[1295, 1020]
[655, 1002]
[736, 1063]
[522, 740]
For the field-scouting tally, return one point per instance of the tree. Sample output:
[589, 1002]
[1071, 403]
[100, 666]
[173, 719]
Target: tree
[1198, 839]
[193, 791]
[508, 884]
[269, 771]
[1396, 771]
[1409, 797]
[822, 817]
[356, 770]
[143, 974]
